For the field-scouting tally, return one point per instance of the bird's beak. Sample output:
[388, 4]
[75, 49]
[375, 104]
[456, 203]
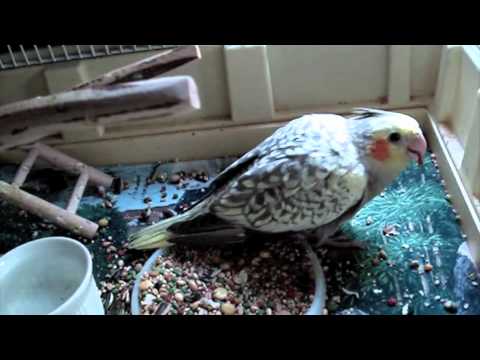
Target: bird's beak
[417, 147]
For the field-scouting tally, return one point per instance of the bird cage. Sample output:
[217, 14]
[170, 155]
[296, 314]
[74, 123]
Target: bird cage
[18, 56]
[249, 91]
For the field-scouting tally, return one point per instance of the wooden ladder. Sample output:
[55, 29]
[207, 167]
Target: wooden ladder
[66, 218]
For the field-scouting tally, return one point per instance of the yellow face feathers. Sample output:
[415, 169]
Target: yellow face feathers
[396, 140]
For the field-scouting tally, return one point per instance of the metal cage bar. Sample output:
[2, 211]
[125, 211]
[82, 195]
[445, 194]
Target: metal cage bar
[18, 56]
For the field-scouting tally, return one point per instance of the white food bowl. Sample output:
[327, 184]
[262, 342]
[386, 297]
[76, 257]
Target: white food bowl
[316, 308]
[51, 276]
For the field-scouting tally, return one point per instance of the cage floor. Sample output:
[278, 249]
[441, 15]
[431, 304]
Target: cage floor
[410, 225]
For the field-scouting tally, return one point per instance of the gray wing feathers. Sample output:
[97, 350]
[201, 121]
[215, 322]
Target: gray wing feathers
[305, 175]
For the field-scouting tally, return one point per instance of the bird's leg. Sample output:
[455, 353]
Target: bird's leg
[337, 240]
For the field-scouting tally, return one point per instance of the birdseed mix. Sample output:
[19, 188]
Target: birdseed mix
[272, 279]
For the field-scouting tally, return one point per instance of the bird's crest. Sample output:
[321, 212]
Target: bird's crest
[365, 113]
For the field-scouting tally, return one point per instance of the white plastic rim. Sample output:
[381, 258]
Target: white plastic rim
[85, 298]
[316, 308]
[135, 298]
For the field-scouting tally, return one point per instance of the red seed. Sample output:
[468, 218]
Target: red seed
[291, 293]
[392, 302]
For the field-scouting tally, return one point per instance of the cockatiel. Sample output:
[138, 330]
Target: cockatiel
[310, 176]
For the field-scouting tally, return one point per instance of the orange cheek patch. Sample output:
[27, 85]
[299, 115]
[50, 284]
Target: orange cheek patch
[380, 150]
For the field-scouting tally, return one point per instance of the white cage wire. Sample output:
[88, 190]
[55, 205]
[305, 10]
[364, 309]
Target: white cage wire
[17, 56]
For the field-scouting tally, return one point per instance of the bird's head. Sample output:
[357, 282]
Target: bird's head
[389, 141]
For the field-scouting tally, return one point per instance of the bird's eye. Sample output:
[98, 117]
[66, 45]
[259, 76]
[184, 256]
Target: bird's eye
[395, 137]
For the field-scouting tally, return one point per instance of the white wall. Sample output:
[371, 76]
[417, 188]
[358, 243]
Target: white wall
[210, 76]
[302, 76]
[425, 66]
[457, 105]
[254, 84]
[309, 76]
[209, 73]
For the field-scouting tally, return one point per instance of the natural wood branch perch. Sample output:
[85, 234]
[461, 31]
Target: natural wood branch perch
[108, 104]
[45, 210]
[147, 68]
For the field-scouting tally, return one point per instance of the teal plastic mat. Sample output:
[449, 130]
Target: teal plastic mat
[410, 226]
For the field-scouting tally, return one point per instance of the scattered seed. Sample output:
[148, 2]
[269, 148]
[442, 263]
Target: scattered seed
[163, 309]
[428, 267]
[390, 231]
[220, 294]
[145, 285]
[103, 222]
[175, 179]
[392, 302]
[382, 255]
[228, 309]
[265, 255]
[138, 267]
[450, 307]
[414, 265]
[225, 266]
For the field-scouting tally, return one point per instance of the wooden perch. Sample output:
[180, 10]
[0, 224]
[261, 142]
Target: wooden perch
[63, 218]
[109, 100]
[147, 68]
[109, 104]
[45, 210]
[71, 165]
[78, 193]
[121, 95]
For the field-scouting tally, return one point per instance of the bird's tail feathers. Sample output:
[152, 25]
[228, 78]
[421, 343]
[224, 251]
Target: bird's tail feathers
[158, 236]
